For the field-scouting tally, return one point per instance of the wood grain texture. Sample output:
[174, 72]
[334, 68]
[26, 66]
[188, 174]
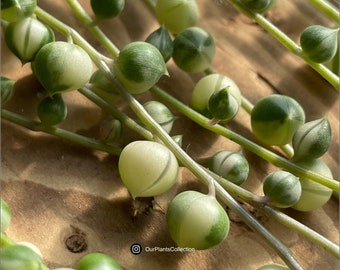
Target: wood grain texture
[56, 189]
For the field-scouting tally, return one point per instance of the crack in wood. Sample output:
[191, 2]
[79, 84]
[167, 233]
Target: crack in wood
[268, 82]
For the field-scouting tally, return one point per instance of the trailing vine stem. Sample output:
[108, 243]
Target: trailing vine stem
[287, 42]
[302, 229]
[284, 252]
[327, 8]
[87, 21]
[59, 132]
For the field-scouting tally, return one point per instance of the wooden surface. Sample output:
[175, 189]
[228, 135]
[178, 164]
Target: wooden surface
[56, 189]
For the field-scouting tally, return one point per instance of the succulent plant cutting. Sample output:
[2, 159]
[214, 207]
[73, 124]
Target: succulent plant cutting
[131, 86]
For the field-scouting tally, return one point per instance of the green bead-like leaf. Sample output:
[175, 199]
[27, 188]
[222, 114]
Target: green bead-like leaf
[105, 9]
[275, 119]
[26, 37]
[161, 39]
[20, 257]
[104, 88]
[194, 50]
[147, 168]
[259, 6]
[208, 85]
[232, 166]
[178, 139]
[314, 195]
[7, 89]
[319, 43]
[335, 62]
[97, 261]
[196, 220]
[282, 188]
[61, 66]
[31, 246]
[160, 113]
[52, 110]
[15, 10]
[312, 139]
[111, 130]
[100, 81]
[177, 15]
[223, 105]
[139, 66]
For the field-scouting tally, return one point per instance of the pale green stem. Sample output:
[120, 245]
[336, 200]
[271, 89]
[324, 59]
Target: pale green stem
[247, 105]
[303, 230]
[249, 145]
[86, 20]
[237, 191]
[286, 41]
[61, 133]
[327, 8]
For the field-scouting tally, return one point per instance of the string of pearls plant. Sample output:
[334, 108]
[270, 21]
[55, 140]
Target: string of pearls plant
[196, 220]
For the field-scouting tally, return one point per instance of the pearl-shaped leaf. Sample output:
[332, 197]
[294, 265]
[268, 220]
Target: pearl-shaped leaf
[232, 166]
[61, 66]
[314, 195]
[312, 139]
[194, 49]
[26, 37]
[147, 168]
[282, 188]
[7, 89]
[139, 66]
[275, 119]
[208, 85]
[16, 10]
[196, 220]
[161, 39]
[177, 15]
[319, 43]
[223, 105]
[160, 113]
